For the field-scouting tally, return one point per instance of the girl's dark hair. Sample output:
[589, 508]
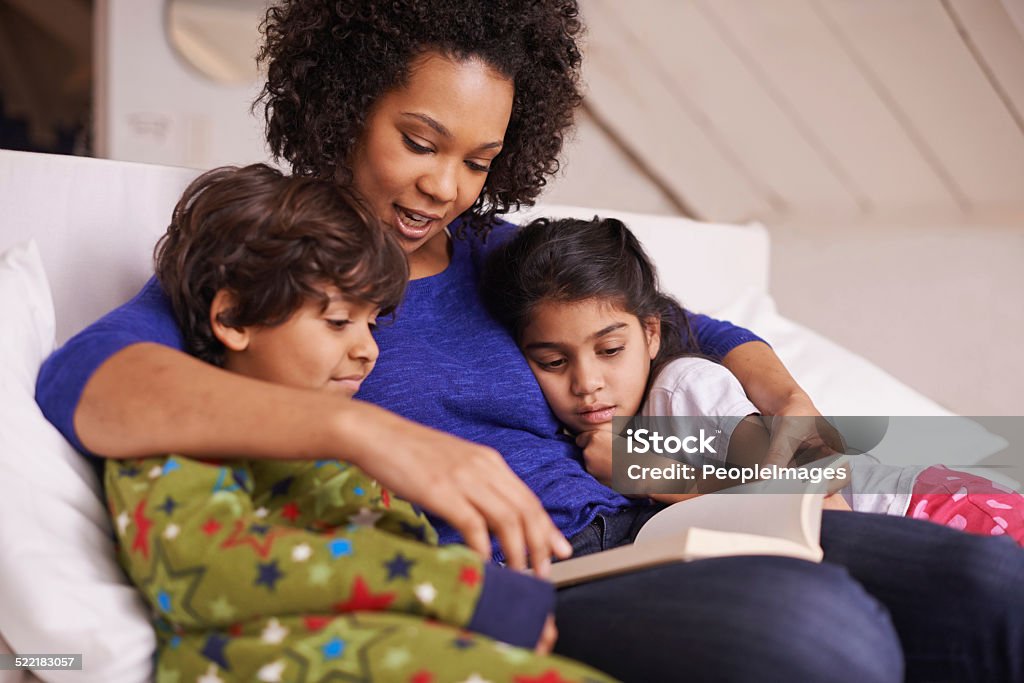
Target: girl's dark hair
[329, 62]
[273, 241]
[570, 260]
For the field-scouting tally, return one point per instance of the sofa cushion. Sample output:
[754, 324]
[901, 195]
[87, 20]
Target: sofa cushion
[61, 588]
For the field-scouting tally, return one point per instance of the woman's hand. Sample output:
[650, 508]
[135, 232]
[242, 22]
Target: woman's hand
[468, 485]
[548, 637]
[835, 501]
[790, 411]
[800, 435]
[597, 453]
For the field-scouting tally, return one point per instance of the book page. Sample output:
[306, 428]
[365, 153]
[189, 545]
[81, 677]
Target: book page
[792, 516]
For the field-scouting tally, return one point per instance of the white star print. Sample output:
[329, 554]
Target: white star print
[123, 520]
[366, 517]
[475, 678]
[211, 676]
[260, 512]
[301, 552]
[155, 471]
[273, 632]
[171, 532]
[426, 593]
[271, 673]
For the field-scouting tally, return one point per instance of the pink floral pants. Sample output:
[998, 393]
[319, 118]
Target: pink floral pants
[968, 502]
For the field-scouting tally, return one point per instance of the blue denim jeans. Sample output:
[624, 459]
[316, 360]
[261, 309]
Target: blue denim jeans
[894, 597]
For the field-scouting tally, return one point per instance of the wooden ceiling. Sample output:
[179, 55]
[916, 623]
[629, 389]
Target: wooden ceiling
[791, 109]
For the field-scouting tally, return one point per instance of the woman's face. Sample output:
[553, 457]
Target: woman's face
[428, 146]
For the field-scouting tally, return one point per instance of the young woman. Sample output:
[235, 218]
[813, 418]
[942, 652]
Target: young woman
[440, 113]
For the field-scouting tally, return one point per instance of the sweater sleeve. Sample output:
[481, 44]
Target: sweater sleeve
[717, 338]
[146, 318]
[204, 555]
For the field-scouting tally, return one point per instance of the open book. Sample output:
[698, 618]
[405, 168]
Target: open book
[748, 520]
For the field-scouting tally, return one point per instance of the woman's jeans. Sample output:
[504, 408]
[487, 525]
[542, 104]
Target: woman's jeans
[894, 597]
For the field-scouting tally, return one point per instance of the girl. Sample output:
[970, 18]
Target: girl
[582, 300]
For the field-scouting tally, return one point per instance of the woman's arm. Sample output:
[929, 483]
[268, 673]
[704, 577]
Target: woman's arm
[766, 380]
[773, 390]
[123, 388]
[148, 399]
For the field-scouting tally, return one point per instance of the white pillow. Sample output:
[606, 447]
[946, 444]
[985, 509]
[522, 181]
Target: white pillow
[61, 588]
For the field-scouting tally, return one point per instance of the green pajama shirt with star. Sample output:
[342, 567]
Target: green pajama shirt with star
[272, 570]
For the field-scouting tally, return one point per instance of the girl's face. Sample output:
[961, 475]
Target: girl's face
[427, 149]
[591, 359]
[330, 350]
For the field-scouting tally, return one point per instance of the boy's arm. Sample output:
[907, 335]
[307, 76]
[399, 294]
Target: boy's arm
[192, 542]
[123, 388]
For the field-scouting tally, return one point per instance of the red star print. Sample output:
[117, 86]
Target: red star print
[211, 527]
[316, 623]
[363, 599]
[422, 677]
[549, 676]
[469, 576]
[385, 498]
[143, 524]
[290, 512]
[261, 544]
[235, 630]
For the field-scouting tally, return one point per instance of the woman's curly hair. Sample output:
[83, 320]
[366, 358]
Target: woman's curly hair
[328, 63]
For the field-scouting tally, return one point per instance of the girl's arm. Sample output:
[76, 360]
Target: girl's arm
[120, 389]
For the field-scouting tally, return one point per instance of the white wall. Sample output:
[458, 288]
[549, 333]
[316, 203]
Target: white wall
[152, 106]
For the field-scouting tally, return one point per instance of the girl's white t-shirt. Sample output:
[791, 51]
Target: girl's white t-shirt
[697, 387]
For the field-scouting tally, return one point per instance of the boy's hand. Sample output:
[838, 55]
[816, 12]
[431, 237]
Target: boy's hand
[597, 453]
[548, 637]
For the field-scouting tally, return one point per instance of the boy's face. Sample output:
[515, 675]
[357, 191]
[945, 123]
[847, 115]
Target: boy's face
[330, 350]
[591, 360]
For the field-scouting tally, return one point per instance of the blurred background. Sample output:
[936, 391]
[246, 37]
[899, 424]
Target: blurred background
[880, 141]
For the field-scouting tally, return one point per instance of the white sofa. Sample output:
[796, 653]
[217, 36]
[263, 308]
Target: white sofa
[95, 223]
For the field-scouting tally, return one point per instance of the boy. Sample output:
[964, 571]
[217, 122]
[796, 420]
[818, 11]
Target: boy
[296, 570]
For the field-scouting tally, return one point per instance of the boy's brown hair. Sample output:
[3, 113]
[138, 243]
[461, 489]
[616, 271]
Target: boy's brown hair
[273, 241]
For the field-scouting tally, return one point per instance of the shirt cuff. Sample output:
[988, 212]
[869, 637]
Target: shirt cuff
[512, 607]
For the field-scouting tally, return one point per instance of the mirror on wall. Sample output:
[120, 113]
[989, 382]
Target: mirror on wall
[219, 38]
